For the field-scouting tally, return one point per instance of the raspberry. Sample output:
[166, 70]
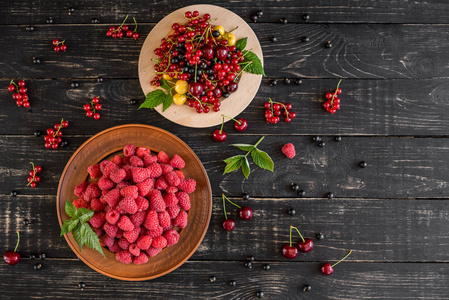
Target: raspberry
[112, 216]
[156, 232]
[134, 249]
[152, 252]
[123, 243]
[108, 168]
[142, 151]
[138, 218]
[107, 240]
[177, 162]
[117, 160]
[128, 204]
[166, 168]
[144, 242]
[102, 164]
[122, 185]
[151, 220]
[105, 184]
[156, 201]
[289, 150]
[98, 219]
[170, 200]
[132, 235]
[110, 229]
[130, 191]
[155, 170]
[164, 219]
[172, 237]
[141, 259]
[80, 189]
[119, 234]
[171, 189]
[145, 186]
[91, 192]
[94, 171]
[135, 161]
[187, 185]
[142, 204]
[159, 242]
[184, 200]
[172, 178]
[115, 247]
[173, 211]
[161, 183]
[140, 174]
[112, 197]
[181, 220]
[163, 158]
[125, 161]
[125, 224]
[117, 175]
[180, 174]
[96, 205]
[129, 150]
[107, 208]
[149, 159]
[124, 256]
[98, 231]
[81, 203]
[128, 170]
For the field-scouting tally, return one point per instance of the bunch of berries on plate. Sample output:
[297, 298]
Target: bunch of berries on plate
[199, 64]
[20, 93]
[141, 201]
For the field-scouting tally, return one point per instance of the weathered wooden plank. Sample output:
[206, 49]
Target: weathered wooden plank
[359, 51]
[377, 230]
[324, 11]
[283, 281]
[397, 167]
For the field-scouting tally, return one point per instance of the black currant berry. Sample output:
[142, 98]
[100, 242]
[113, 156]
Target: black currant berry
[37, 133]
[75, 84]
[226, 94]
[37, 266]
[81, 285]
[337, 138]
[216, 33]
[132, 102]
[305, 39]
[283, 20]
[32, 256]
[95, 21]
[64, 144]
[321, 144]
[249, 265]
[70, 10]
[306, 17]
[232, 283]
[50, 20]
[298, 81]
[13, 194]
[266, 266]
[250, 258]
[294, 186]
[42, 256]
[26, 222]
[273, 38]
[36, 60]
[259, 294]
[30, 28]
[291, 211]
[254, 18]
[330, 195]
[363, 164]
[273, 82]
[287, 81]
[213, 279]
[100, 79]
[259, 14]
[245, 196]
[307, 288]
[316, 139]
[301, 193]
[328, 44]
[319, 236]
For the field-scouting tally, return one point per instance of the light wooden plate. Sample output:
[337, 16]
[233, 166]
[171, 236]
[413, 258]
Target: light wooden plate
[110, 142]
[232, 106]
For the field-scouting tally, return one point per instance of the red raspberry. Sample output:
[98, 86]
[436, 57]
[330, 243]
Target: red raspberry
[159, 242]
[123, 243]
[155, 170]
[289, 150]
[132, 235]
[110, 229]
[130, 191]
[145, 186]
[180, 174]
[107, 240]
[117, 175]
[166, 168]
[94, 171]
[134, 249]
[124, 256]
[122, 184]
[117, 160]
[135, 161]
[128, 170]
[164, 219]
[151, 221]
[177, 162]
[156, 232]
[98, 231]
[140, 174]
[161, 183]
[141, 259]
[156, 201]
[107, 208]
[144, 242]
[149, 159]
[102, 164]
[142, 151]
[128, 204]
[152, 252]
[172, 178]
[81, 188]
[125, 161]
[181, 220]
[172, 237]
[98, 219]
[96, 205]
[173, 211]
[81, 203]
[187, 185]
[115, 248]
[171, 189]
[138, 218]
[184, 200]
[170, 200]
[112, 197]
[119, 234]
[92, 191]
[108, 168]
[105, 184]
[142, 204]
[163, 158]
[125, 224]
[129, 150]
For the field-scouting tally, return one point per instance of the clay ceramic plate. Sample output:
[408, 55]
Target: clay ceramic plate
[110, 142]
[248, 84]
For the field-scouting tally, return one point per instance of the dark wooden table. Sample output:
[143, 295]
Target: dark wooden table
[393, 58]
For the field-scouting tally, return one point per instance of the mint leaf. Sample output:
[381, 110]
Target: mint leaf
[70, 209]
[233, 163]
[153, 99]
[262, 159]
[253, 64]
[164, 84]
[68, 226]
[244, 147]
[168, 100]
[84, 214]
[91, 238]
[78, 237]
[245, 168]
[241, 44]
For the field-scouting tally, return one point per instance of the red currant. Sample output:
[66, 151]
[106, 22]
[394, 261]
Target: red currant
[97, 116]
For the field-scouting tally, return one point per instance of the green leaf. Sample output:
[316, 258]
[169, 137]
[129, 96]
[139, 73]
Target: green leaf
[70, 209]
[245, 168]
[241, 44]
[168, 100]
[84, 214]
[164, 84]
[244, 147]
[154, 99]
[262, 159]
[233, 163]
[68, 226]
[253, 64]
[77, 236]
[91, 238]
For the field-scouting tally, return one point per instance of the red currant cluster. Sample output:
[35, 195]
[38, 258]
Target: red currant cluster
[273, 111]
[333, 102]
[33, 179]
[20, 93]
[92, 108]
[53, 138]
[120, 31]
[59, 46]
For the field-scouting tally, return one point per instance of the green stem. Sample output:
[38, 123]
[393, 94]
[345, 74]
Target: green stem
[232, 119]
[335, 93]
[18, 240]
[350, 251]
[291, 235]
[60, 126]
[231, 201]
[224, 207]
[254, 146]
[196, 64]
[221, 129]
[123, 23]
[135, 22]
[299, 234]
[34, 173]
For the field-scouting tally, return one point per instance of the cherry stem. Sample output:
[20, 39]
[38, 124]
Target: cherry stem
[350, 251]
[18, 240]
[221, 129]
[335, 93]
[224, 206]
[232, 119]
[135, 22]
[291, 235]
[231, 201]
[299, 234]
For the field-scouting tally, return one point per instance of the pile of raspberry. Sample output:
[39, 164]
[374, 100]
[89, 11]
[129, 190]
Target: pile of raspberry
[140, 200]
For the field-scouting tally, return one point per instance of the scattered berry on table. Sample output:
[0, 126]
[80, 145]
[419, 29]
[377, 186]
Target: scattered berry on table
[283, 20]
[316, 139]
[19, 93]
[32, 256]
[123, 30]
[30, 28]
[12, 257]
[287, 81]
[307, 288]
[327, 268]
[306, 17]
[259, 294]
[363, 164]
[59, 46]
[71, 10]
[254, 18]
[33, 178]
[289, 150]
[321, 144]
[291, 211]
[13, 194]
[36, 60]
[37, 266]
[249, 265]
[212, 279]
[250, 258]
[81, 285]
[95, 21]
[49, 20]
[37, 133]
[266, 267]
[245, 196]
[133, 102]
[232, 283]
[294, 186]
[298, 81]
[42, 256]
[74, 84]
[259, 14]
[320, 236]
[26, 222]
[273, 38]
[100, 79]
[273, 111]
[337, 138]
[301, 193]
[328, 44]
[273, 82]
[305, 39]
[330, 195]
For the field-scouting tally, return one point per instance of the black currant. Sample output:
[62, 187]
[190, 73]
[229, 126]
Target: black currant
[250, 258]
[328, 44]
[337, 138]
[132, 101]
[70, 10]
[321, 144]
[95, 21]
[42, 256]
[26, 222]
[232, 283]
[273, 82]
[363, 164]
[50, 20]
[245, 196]
[259, 294]
[100, 79]
[273, 38]
[305, 39]
[316, 139]
[294, 186]
[13, 194]
[30, 28]
[249, 265]
[301, 193]
[330, 195]
[306, 17]
[213, 279]
[81, 285]
[216, 33]
[287, 81]
[283, 20]
[32, 256]
[254, 18]
[75, 84]
[226, 94]
[37, 266]
[64, 144]
[298, 81]
[36, 60]
[259, 14]
[266, 266]
[37, 133]
[319, 236]
[291, 211]
[307, 288]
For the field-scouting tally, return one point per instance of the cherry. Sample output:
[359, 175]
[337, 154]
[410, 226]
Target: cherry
[12, 257]
[241, 124]
[221, 52]
[228, 224]
[219, 135]
[245, 213]
[306, 245]
[327, 268]
[195, 89]
[232, 87]
[208, 51]
[288, 250]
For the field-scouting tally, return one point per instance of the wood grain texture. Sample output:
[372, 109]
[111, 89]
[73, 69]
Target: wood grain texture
[378, 51]
[323, 11]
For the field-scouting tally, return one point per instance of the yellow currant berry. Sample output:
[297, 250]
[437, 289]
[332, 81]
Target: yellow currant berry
[179, 99]
[220, 29]
[181, 86]
[231, 39]
[166, 76]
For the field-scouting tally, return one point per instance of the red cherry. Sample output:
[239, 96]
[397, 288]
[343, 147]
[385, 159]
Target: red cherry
[221, 52]
[11, 258]
[327, 269]
[289, 252]
[219, 135]
[242, 125]
[228, 224]
[245, 213]
[195, 89]
[306, 245]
